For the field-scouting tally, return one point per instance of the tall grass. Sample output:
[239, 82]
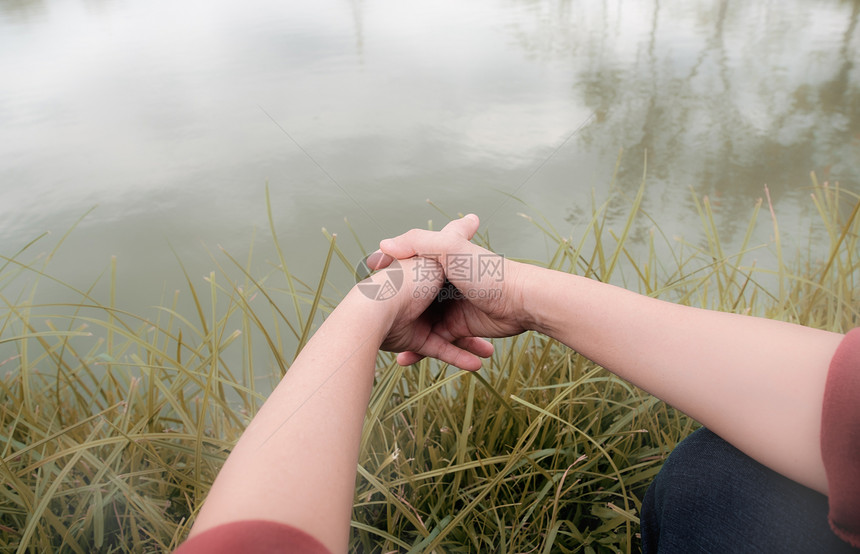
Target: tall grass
[114, 425]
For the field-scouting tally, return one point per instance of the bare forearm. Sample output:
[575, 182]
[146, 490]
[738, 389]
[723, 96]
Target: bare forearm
[758, 383]
[296, 462]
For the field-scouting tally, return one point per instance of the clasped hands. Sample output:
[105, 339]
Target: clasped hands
[486, 302]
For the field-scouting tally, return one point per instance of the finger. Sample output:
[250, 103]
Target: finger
[477, 346]
[465, 227]
[378, 260]
[421, 242]
[409, 358]
[409, 244]
[436, 347]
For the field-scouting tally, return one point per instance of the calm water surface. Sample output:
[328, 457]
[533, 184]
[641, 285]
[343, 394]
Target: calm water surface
[172, 117]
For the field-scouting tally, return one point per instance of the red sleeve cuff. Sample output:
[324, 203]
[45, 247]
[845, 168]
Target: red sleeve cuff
[840, 438]
[253, 537]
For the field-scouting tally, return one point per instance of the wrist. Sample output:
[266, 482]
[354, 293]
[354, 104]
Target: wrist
[376, 315]
[522, 301]
[537, 298]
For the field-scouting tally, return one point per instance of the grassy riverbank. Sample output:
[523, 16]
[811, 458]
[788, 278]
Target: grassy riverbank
[115, 424]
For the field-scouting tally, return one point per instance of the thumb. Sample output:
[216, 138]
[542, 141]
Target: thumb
[465, 227]
[420, 242]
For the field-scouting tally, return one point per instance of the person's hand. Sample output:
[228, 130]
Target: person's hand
[408, 290]
[487, 298]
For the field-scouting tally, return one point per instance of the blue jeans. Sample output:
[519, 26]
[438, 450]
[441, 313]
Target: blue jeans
[711, 497]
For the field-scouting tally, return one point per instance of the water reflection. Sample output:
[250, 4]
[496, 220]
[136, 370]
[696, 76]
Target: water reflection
[172, 118]
[22, 10]
[723, 96]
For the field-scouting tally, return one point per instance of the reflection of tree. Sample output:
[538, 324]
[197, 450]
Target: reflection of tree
[724, 96]
[357, 9]
[21, 9]
[839, 95]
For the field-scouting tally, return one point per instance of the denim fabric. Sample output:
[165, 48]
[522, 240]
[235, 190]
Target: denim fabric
[710, 497]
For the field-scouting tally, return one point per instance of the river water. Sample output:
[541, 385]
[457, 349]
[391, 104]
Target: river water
[172, 117]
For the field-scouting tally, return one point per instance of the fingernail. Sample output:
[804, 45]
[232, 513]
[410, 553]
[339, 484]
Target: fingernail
[374, 259]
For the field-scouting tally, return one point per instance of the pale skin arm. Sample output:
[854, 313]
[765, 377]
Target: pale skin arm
[757, 383]
[296, 462]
